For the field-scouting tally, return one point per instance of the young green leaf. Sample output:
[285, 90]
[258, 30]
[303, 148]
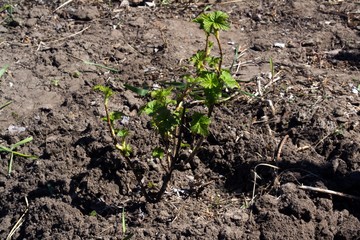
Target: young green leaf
[272, 71]
[164, 120]
[5, 104]
[122, 133]
[213, 22]
[158, 152]
[162, 95]
[198, 60]
[200, 124]
[140, 91]
[178, 85]
[113, 116]
[209, 80]
[123, 223]
[3, 70]
[125, 148]
[151, 107]
[105, 90]
[102, 66]
[219, 20]
[22, 142]
[229, 81]
[213, 61]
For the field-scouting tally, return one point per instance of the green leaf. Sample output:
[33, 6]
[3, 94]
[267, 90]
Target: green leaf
[93, 213]
[151, 107]
[102, 66]
[5, 104]
[179, 85]
[164, 120]
[189, 79]
[123, 223]
[212, 95]
[200, 124]
[122, 133]
[158, 152]
[3, 70]
[213, 61]
[22, 142]
[220, 20]
[229, 81]
[140, 91]
[213, 22]
[113, 116]
[272, 71]
[162, 95]
[105, 90]
[209, 80]
[125, 149]
[151, 185]
[184, 145]
[198, 60]
[5, 149]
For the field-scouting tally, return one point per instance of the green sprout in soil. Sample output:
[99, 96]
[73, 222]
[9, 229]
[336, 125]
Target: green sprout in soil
[3, 70]
[8, 9]
[5, 105]
[11, 150]
[125, 236]
[55, 82]
[180, 112]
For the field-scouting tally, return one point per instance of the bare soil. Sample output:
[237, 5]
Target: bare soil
[305, 121]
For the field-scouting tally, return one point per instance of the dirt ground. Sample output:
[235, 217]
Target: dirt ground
[305, 121]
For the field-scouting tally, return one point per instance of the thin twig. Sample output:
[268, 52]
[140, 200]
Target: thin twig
[234, 1]
[329, 192]
[257, 176]
[19, 222]
[281, 147]
[63, 5]
[63, 38]
[5, 104]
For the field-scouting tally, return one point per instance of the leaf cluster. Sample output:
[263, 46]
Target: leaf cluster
[181, 126]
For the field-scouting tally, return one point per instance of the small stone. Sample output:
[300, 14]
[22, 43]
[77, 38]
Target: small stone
[30, 22]
[86, 14]
[3, 29]
[342, 119]
[279, 45]
[139, 22]
[338, 112]
[308, 43]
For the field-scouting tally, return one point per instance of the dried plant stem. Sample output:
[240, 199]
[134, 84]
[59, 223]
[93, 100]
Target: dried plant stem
[62, 5]
[329, 192]
[282, 143]
[19, 222]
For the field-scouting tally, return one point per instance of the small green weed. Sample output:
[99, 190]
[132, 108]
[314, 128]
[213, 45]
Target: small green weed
[5, 104]
[125, 236]
[3, 70]
[101, 66]
[7, 7]
[11, 150]
[55, 82]
[180, 112]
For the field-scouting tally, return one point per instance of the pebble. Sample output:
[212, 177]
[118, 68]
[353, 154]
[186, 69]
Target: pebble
[279, 45]
[3, 29]
[30, 22]
[16, 129]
